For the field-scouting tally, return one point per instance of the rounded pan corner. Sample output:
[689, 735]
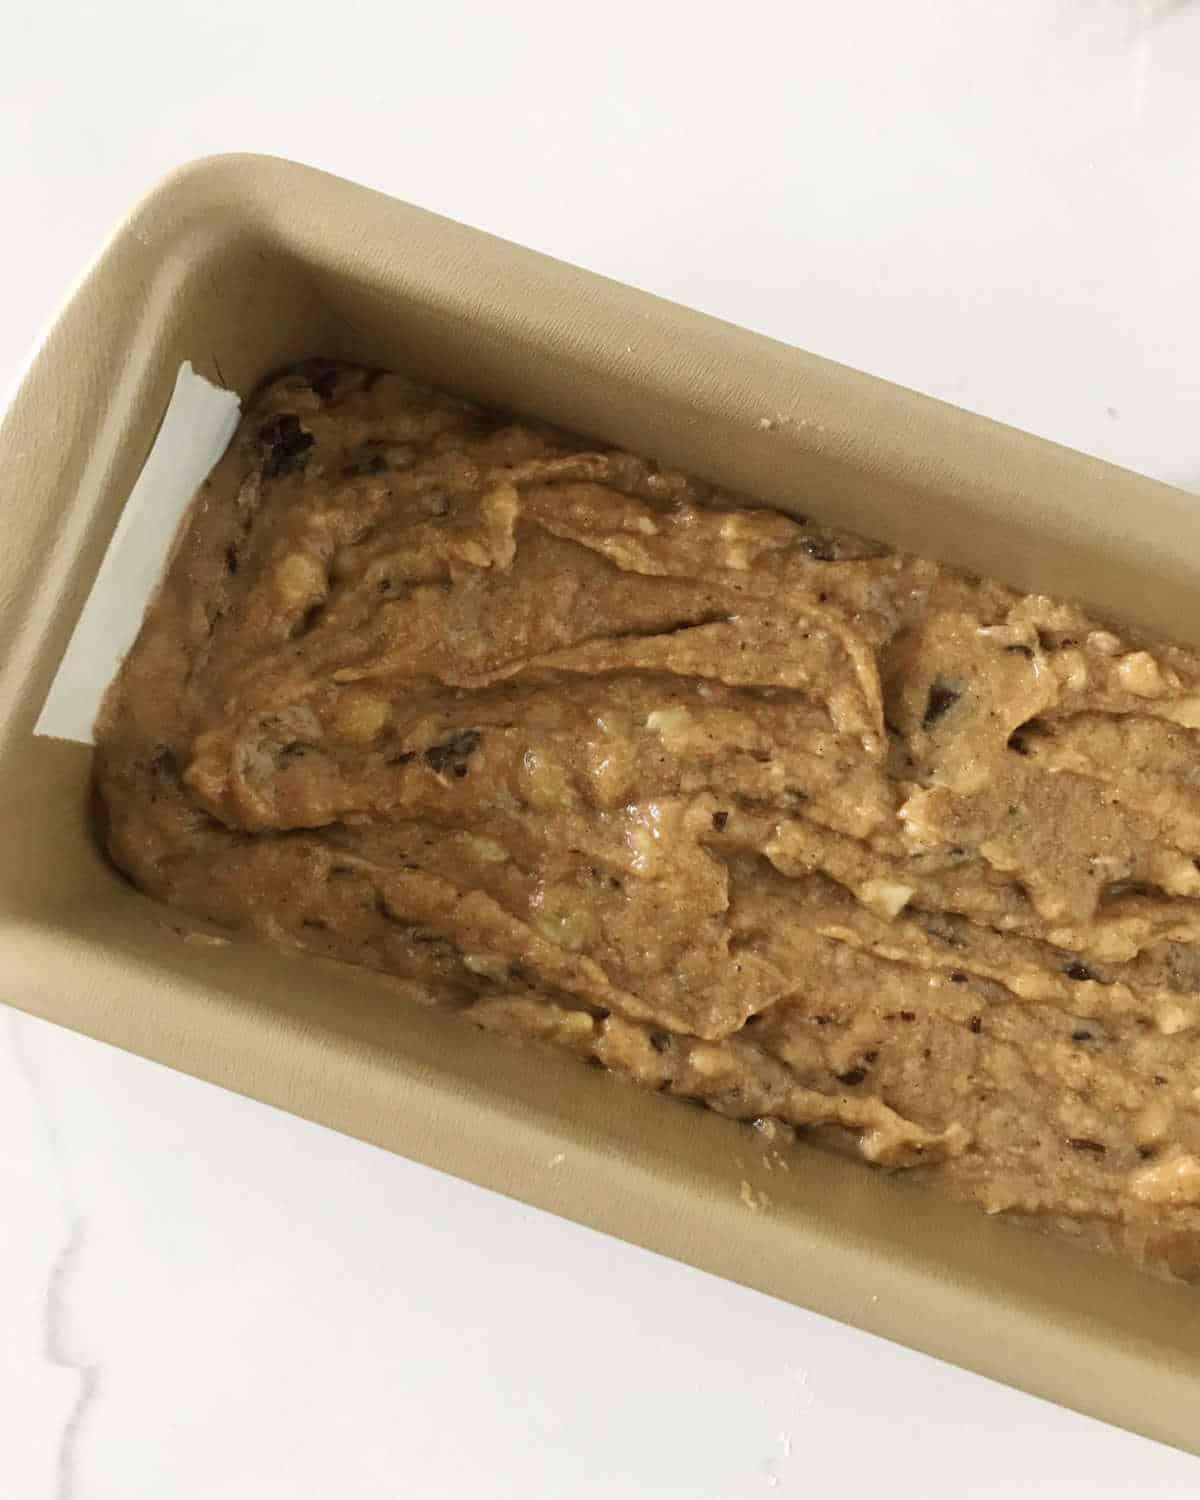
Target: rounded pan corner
[240, 182]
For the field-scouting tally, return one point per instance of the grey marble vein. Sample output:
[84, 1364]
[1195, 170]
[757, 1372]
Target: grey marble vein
[56, 1343]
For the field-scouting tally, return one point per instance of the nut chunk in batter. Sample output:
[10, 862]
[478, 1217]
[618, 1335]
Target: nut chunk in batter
[743, 808]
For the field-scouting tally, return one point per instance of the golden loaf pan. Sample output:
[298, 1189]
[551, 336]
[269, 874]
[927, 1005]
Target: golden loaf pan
[242, 264]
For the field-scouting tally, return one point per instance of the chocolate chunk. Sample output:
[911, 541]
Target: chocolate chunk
[287, 445]
[371, 461]
[1085, 1143]
[975, 1025]
[1052, 641]
[165, 764]
[321, 375]
[943, 927]
[324, 383]
[719, 820]
[453, 753]
[1183, 967]
[942, 698]
[306, 621]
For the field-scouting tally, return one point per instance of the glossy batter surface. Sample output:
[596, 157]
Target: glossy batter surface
[743, 808]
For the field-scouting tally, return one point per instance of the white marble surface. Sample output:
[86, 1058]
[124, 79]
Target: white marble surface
[997, 203]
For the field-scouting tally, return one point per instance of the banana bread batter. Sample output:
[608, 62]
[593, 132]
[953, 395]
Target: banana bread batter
[743, 808]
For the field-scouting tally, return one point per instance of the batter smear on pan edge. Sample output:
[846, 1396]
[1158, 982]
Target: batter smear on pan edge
[745, 809]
